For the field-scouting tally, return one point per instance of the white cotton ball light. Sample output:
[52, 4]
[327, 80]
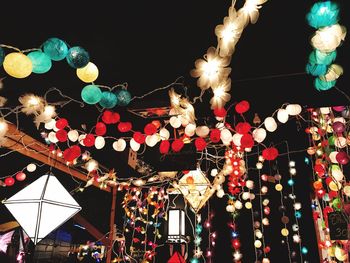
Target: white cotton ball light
[50, 124]
[245, 195]
[202, 131]
[164, 134]
[81, 139]
[236, 138]
[190, 129]
[270, 124]
[73, 135]
[119, 145]
[220, 193]
[332, 157]
[52, 137]
[249, 184]
[135, 146]
[226, 136]
[31, 167]
[282, 115]
[259, 135]
[293, 109]
[238, 205]
[340, 142]
[214, 172]
[99, 142]
[175, 122]
[152, 140]
[91, 165]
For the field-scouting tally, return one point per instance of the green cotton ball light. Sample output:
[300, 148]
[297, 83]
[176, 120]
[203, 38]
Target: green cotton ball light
[41, 62]
[337, 204]
[55, 48]
[318, 57]
[321, 85]
[316, 69]
[77, 57]
[123, 97]
[323, 14]
[91, 94]
[2, 55]
[331, 140]
[108, 100]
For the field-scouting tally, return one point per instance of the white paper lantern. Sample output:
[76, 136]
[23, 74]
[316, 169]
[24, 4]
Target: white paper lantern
[282, 115]
[50, 124]
[31, 167]
[99, 142]
[340, 142]
[151, 140]
[52, 137]
[119, 145]
[164, 134]
[202, 131]
[293, 109]
[325, 110]
[259, 134]
[73, 135]
[270, 124]
[226, 136]
[332, 157]
[135, 146]
[175, 122]
[190, 129]
[236, 138]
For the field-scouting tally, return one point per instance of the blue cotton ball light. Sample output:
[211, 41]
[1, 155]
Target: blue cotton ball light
[323, 14]
[316, 69]
[108, 100]
[91, 94]
[318, 57]
[322, 85]
[77, 57]
[2, 55]
[55, 48]
[123, 97]
[41, 62]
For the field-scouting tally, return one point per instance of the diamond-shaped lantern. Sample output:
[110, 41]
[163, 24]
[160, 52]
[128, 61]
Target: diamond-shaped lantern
[42, 206]
[196, 188]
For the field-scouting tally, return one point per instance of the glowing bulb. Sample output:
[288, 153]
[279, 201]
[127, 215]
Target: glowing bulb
[91, 165]
[211, 68]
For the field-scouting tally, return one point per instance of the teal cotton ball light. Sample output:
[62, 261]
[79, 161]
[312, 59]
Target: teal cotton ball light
[123, 97]
[322, 85]
[323, 14]
[108, 100]
[77, 57]
[316, 69]
[91, 94]
[2, 55]
[41, 62]
[55, 48]
[318, 57]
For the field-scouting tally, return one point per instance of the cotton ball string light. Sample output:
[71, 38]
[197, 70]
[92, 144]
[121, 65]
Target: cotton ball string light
[31, 167]
[77, 57]
[40, 61]
[119, 145]
[89, 73]
[123, 97]
[91, 94]
[73, 135]
[17, 65]
[259, 135]
[202, 131]
[293, 109]
[282, 115]
[91, 165]
[108, 100]
[175, 122]
[190, 130]
[55, 48]
[270, 124]
[99, 142]
[164, 134]
[135, 146]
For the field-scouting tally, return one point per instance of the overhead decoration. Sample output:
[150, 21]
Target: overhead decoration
[42, 206]
[324, 16]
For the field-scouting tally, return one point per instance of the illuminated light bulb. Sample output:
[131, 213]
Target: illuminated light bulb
[284, 232]
[31, 167]
[220, 193]
[237, 255]
[49, 110]
[245, 195]
[248, 205]
[214, 172]
[249, 184]
[264, 189]
[89, 73]
[293, 171]
[282, 115]
[266, 202]
[258, 234]
[238, 205]
[296, 238]
[17, 65]
[278, 187]
[265, 221]
[265, 260]
[91, 165]
[259, 165]
[257, 244]
[297, 206]
[261, 158]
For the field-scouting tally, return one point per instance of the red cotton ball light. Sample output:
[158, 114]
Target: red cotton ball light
[342, 158]
[100, 129]
[20, 176]
[150, 129]
[177, 145]
[242, 106]
[9, 181]
[270, 154]
[139, 137]
[215, 135]
[71, 153]
[319, 169]
[61, 123]
[243, 127]
[200, 144]
[89, 140]
[164, 147]
[124, 126]
[62, 135]
[220, 112]
[247, 141]
[115, 117]
[107, 117]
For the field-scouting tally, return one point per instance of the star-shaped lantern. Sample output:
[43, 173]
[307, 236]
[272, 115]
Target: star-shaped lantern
[42, 206]
[196, 188]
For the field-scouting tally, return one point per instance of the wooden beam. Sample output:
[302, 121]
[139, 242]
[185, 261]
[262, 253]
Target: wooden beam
[111, 224]
[92, 230]
[16, 140]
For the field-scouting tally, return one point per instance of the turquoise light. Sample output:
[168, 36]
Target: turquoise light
[316, 69]
[55, 48]
[91, 94]
[77, 57]
[318, 57]
[194, 260]
[123, 97]
[298, 214]
[323, 14]
[290, 182]
[324, 85]
[41, 62]
[304, 250]
[199, 229]
[109, 100]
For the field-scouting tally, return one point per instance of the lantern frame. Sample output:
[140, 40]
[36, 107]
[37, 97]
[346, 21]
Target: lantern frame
[176, 226]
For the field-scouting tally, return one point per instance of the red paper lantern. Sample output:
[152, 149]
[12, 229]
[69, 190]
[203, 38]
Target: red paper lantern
[107, 117]
[150, 129]
[139, 137]
[247, 141]
[9, 181]
[177, 145]
[220, 112]
[62, 135]
[20, 176]
[243, 127]
[200, 144]
[242, 107]
[164, 147]
[270, 153]
[100, 129]
[61, 123]
[89, 140]
[124, 126]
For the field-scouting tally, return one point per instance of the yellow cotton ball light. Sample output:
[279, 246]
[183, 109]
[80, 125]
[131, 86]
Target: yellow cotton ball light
[89, 73]
[18, 65]
[278, 187]
[284, 232]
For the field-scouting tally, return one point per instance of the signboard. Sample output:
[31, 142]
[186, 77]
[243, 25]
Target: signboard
[338, 225]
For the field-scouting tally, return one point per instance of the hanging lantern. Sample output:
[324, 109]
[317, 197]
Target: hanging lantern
[135, 146]
[176, 226]
[77, 57]
[18, 65]
[40, 61]
[196, 189]
[55, 48]
[42, 206]
[89, 73]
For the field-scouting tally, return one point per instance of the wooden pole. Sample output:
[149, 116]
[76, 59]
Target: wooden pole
[111, 225]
